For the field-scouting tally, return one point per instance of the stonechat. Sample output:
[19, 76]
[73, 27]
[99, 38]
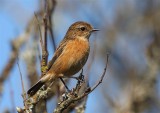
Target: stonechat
[70, 56]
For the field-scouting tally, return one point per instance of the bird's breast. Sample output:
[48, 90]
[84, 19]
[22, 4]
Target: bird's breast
[73, 57]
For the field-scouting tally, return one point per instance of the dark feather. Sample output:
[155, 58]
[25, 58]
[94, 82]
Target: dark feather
[35, 88]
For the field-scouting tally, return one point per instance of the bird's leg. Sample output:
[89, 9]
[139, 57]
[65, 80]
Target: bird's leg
[79, 78]
[76, 78]
[68, 90]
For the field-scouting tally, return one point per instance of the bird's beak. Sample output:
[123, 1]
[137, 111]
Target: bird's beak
[93, 30]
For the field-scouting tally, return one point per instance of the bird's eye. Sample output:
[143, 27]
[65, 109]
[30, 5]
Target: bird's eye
[83, 28]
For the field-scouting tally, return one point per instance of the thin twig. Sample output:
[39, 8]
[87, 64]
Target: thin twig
[104, 72]
[73, 96]
[50, 25]
[89, 90]
[45, 20]
[24, 93]
[51, 32]
[39, 29]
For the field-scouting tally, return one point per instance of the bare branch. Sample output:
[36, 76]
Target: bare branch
[44, 60]
[73, 96]
[39, 29]
[50, 24]
[24, 93]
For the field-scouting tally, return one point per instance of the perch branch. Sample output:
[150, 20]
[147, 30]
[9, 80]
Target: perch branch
[73, 96]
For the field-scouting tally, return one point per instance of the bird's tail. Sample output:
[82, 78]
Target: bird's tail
[35, 88]
[40, 83]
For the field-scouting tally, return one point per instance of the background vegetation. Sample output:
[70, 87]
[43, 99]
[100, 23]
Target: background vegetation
[130, 30]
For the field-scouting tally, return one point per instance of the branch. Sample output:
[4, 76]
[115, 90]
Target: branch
[73, 96]
[39, 29]
[24, 93]
[16, 44]
[52, 5]
[41, 95]
[44, 60]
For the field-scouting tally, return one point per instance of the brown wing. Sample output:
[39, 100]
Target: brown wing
[57, 53]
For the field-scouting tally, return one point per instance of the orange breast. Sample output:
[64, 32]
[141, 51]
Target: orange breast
[73, 57]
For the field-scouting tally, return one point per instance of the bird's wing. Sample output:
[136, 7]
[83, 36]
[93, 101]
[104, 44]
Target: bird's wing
[57, 53]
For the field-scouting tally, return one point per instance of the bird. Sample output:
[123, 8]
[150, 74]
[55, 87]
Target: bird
[70, 56]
